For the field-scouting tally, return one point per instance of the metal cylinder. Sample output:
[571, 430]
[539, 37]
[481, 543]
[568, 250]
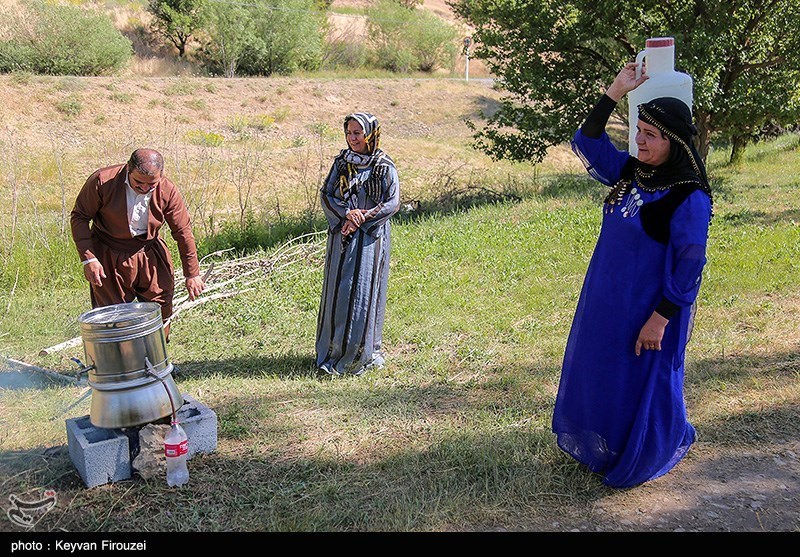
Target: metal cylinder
[124, 346]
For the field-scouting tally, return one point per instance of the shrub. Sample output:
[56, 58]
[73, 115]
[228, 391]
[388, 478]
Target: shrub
[261, 121]
[21, 77]
[209, 139]
[180, 87]
[197, 104]
[237, 124]
[265, 38]
[280, 114]
[341, 53]
[405, 39]
[120, 97]
[71, 106]
[61, 40]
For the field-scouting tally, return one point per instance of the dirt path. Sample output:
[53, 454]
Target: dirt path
[711, 490]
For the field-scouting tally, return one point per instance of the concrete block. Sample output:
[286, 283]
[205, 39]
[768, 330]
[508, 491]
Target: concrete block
[103, 455]
[99, 455]
[200, 424]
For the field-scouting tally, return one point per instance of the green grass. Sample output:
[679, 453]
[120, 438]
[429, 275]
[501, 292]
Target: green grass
[454, 434]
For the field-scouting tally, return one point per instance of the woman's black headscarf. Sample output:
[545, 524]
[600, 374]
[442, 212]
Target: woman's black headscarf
[673, 118]
[684, 165]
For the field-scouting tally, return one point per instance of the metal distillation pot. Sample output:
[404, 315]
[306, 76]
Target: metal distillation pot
[129, 372]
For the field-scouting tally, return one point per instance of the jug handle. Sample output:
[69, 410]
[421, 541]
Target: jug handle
[639, 60]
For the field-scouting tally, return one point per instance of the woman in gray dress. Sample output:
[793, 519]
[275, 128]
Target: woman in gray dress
[360, 194]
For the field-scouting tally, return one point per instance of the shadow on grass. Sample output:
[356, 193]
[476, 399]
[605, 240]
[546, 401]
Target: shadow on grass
[455, 482]
[573, 186]
[761, 218]
[775, 146]
[485, 107]
[725, 378]
[550, 186]
[299, 465]
[256, 236]
[290, 366]
[457, 200]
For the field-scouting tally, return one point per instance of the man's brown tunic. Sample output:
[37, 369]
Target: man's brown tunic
[137, 267]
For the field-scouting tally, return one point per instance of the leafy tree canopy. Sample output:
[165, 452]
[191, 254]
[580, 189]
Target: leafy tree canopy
[556, 57]
[178, 20]
[263, 37]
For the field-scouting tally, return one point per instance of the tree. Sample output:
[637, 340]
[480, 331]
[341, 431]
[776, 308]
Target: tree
[178, 20]
[288, 35]
[555, 57]
[265, 37]
[229, 30]
[406, 39]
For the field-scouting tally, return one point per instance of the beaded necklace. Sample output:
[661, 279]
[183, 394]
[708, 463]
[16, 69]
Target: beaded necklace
[642, 176]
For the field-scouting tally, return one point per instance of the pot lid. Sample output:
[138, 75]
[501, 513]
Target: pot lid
[121, 314]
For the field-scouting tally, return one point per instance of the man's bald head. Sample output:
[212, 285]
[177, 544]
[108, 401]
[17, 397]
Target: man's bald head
[147, 161]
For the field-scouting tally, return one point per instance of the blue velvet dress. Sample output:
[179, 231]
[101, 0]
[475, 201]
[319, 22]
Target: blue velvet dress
[623, 415]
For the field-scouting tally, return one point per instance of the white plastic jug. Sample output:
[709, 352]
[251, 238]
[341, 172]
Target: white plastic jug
[659, 59]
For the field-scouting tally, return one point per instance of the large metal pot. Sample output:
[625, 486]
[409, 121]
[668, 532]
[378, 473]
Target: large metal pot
[129, 372]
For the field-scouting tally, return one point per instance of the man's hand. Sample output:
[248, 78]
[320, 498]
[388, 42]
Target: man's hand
[195, 286]
[94, 273]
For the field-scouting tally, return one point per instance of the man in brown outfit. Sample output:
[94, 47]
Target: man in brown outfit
[123, 256]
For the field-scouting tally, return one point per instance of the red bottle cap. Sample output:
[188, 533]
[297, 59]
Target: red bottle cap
[659, 41]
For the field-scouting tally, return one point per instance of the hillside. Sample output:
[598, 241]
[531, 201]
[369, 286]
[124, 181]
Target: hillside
[62, 128]
[154, 58]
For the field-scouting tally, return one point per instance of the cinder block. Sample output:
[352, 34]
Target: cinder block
[100, 455]
[200, 424]
[103, 455]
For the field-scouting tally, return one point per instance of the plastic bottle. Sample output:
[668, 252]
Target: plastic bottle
[659, 61]
[176, 446]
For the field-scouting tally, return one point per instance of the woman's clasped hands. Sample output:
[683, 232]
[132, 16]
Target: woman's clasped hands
[355, 218]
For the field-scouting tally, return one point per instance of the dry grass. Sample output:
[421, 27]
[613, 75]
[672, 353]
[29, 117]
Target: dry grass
[207, 124]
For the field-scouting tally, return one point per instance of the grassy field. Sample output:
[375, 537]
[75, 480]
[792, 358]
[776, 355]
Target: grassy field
[454, 434]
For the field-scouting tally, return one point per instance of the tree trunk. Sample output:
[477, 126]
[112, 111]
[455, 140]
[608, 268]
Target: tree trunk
[739, 142]
[703, 140]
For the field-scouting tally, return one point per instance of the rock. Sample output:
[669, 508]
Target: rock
[151, 462]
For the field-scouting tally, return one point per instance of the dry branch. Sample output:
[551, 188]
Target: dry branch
[63, 346]
[232, 277]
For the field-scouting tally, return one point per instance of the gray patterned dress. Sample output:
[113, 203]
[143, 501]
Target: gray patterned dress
[353, 302]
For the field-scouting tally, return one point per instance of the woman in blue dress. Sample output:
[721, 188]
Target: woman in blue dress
[360, 194]
[620, 408]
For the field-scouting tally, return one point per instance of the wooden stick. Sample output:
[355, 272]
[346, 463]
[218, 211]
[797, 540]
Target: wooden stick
[198, 301]
[16, 364]
[77, 341]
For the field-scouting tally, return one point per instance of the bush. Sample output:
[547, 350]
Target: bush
[207, 139]
[265, 38]
[341, 53]
[61, 40]
[405, 39]
[71, 106]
